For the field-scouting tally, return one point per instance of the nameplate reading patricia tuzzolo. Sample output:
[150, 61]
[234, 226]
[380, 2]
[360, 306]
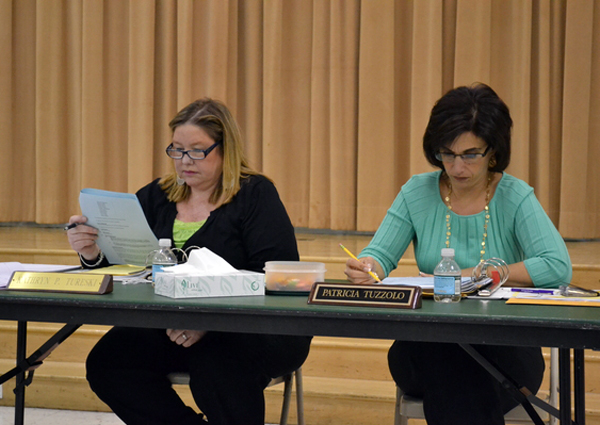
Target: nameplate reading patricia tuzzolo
[75, 283]
[347, 294]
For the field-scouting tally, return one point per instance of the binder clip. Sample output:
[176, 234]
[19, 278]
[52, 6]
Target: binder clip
[492, 273]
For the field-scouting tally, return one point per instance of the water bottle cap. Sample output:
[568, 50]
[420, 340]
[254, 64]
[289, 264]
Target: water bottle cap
[447, 252]
[164, 242]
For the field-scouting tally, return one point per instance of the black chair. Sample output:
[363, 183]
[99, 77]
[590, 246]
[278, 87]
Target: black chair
[411, 407]
[287, 380]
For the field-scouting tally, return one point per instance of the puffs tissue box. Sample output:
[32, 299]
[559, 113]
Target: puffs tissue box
[207, 275]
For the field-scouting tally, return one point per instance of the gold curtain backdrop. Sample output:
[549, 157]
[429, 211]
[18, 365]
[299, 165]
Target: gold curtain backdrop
[332, 96]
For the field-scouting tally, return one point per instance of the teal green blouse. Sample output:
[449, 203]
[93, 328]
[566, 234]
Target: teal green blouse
[518, 230]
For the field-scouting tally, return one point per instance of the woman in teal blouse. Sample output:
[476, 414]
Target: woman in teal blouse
[473, 206]
[519, 231]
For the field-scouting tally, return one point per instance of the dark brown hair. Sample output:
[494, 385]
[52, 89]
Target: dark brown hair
[476, 109]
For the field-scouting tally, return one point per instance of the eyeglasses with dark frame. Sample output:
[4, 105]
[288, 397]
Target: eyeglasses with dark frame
[194, 154]
[468, 158]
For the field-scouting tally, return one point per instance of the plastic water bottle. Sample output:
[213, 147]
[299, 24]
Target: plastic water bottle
[163, 257]
[447, 279]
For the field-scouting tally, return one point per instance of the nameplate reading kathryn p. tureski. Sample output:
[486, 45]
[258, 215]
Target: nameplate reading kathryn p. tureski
[77, 283]
[347, 294]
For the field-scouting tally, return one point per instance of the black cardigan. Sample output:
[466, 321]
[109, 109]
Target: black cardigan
[247, 232]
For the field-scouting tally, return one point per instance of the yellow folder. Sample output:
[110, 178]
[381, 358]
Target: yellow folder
[555, 300]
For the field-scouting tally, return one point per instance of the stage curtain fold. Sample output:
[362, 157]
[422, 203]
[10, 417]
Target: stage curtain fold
[580, 147]
[332, 96]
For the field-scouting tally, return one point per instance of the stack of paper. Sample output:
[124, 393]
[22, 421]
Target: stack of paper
[124, 273]
[426, 283]
[124, 234]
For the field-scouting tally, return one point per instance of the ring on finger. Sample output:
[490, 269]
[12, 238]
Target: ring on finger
[184, 336]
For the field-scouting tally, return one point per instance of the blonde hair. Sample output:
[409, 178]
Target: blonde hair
[213, 117]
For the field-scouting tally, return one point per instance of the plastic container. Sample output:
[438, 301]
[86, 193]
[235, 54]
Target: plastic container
[292, 276]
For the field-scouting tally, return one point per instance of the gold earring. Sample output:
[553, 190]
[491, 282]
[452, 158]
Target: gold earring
[492, 162]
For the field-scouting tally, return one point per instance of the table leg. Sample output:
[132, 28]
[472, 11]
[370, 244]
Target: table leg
[522, 395]
[20, 387]
[579, 385]
[29, 364]
[564, 385]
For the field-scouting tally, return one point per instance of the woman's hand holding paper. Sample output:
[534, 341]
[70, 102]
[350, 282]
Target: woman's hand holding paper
[82, 238]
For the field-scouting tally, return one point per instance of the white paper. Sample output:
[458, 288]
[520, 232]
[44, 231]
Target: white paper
[7, 269]
[500, 294]
[425, 282]
[203, 262]
[125, 237]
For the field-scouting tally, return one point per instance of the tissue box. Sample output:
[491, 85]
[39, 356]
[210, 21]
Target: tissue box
[196, 286]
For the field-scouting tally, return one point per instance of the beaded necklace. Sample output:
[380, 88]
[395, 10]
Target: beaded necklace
[487, 214]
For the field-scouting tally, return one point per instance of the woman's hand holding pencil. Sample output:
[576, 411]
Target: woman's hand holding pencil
[360, 271]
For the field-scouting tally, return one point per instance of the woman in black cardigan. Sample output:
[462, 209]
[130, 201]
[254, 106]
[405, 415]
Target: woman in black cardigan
[214, 200]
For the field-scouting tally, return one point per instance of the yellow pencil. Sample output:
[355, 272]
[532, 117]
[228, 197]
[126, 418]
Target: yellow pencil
[373, 275]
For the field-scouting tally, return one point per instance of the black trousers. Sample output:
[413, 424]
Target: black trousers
[457, 390]
[128, 370]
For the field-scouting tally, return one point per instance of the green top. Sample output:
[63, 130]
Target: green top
[183, 231]
[518, 230]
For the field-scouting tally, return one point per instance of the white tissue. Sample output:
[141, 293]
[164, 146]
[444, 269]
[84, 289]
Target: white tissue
[202, 262]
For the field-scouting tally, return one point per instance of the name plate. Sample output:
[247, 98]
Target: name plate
[347, 294]
[75, 283]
